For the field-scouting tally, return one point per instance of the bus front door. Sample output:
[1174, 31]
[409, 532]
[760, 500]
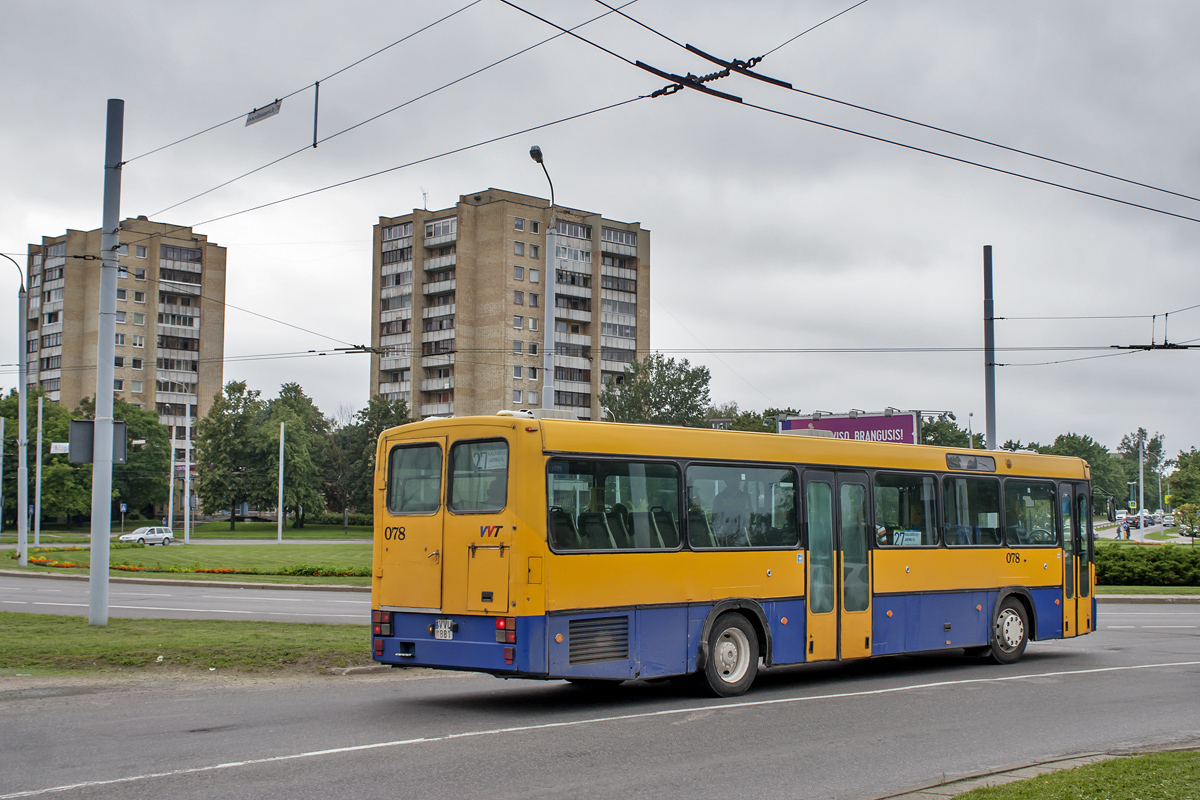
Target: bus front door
[1068, 534]
[838, 603]
[1082, 538]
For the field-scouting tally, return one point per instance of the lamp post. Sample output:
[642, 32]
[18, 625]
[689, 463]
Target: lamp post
[22, 424]
[171, 469]
[551, 275]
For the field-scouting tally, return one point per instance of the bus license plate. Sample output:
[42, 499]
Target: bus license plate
[443, 629]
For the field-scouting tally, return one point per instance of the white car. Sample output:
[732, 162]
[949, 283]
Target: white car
[161, 536]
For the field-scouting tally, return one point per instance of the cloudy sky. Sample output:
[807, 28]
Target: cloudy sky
[783, 252]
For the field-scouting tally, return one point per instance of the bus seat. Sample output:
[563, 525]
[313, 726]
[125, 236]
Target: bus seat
[562, 530]
[620, 527]
[593, 528]
[699, 532]
[666, 526]
[645, 532]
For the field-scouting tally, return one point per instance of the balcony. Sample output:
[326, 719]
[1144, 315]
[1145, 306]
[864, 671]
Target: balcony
[438, 311]
[438, 241]
[437, 409]
[571, 290]
[441, 262]
[437, 384]
[572, 362]
[438, 360]
[394, 387]
[437, 336]
[397, 362]
[439, 287]
[572, 314]
[582, 387]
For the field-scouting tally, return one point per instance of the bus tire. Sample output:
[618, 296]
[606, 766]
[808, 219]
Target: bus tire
[1010, 632]
[732, 662]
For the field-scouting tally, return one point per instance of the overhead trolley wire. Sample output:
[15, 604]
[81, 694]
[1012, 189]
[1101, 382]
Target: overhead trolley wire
[309, 85]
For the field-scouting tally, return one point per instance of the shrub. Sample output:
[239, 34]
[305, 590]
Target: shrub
[334, 518]
[1146, 565]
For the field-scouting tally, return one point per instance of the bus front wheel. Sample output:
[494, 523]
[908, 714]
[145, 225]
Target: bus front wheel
[732, 656]
[1010, 632]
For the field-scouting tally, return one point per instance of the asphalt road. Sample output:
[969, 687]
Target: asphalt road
[171, 601]
[841, 731]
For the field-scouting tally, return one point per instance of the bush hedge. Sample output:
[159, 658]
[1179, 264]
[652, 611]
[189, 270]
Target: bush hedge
[335, 518]
[1147, 565]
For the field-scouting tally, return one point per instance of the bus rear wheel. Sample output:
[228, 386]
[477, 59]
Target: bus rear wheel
[732, 661]
[1010, 632]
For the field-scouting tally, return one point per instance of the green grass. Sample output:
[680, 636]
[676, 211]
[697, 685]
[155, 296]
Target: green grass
[39, 644]
[1148, 590]
[269, 530]
[1158, 776]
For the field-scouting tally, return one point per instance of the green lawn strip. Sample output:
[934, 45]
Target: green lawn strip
[1157, 776]
[1148, 590]
[37, 642]
[278, 559]
[305, 580]
[269, 530]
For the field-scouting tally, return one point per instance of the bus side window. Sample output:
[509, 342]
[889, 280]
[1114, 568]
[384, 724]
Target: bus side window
[611, 505]
[741, 506]
[414, 479]
[479, 475]
[905, 511]
[972, 511]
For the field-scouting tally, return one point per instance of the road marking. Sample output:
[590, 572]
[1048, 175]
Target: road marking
[1168, 626]
[15, 602]
[1120, 626]
[669, 712]
[204, 610]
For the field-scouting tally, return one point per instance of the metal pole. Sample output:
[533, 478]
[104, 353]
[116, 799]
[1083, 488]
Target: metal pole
[551, 276]
[106, 329]
[187, 475]
[2, 474]
[22, 432]
[989, 349]
[37, 483]
[1141, 476]
[279, 507]
[171, 473]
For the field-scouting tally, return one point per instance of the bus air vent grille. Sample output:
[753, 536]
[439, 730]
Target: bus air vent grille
[599, 639]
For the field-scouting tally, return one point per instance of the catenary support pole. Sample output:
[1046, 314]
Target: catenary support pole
[989, 349]
[1, 474]
[106, 329]
[187, 475]
[22, 431]
[1141, 477]
[279, 507]
[37, 482]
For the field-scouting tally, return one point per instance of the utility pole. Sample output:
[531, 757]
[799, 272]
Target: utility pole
[187, 474]
[37, 483]
[279, 506]
[1, 474]
[22, 431]
[106, 330]
[989, 349]
[550, 273]
[1141, 477]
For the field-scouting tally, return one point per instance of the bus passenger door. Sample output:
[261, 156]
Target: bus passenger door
[408, 535]
[1068, 530]
[1083, 559]
[838, 602]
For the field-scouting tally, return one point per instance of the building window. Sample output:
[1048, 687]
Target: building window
[52, 295]
[533, 348]
[52, 340]
[518, 298]
[519, 224]
[31, 346]
[533, 300]
[140, 274]
[138, 339]
[518, 322]
[534, 251]
[533, 398]
[517, 371]
[139, 297]
[51, 362]
[122, 271]
[139, 318]
[534, 275]
[518, 248]
[516, 395]
[443, 227]
[618, 237]
[122, 249]
[119, 361]
[397, 231]
[137, 363]
[534, 226]
[120, 339]
[141, 253]
[533, 373]
[50, 384]
[118, 384]
[179, 253]
[136, 386]
[121, 317]
[517, 345]
[51, 318]
[120, 294]
[518, 273]
[397, 256]
[533, 323]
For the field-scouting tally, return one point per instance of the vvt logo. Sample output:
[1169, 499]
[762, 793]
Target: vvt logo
[489, 530]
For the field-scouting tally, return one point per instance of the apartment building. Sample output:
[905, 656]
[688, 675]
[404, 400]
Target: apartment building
[460, 304]
[169, 355]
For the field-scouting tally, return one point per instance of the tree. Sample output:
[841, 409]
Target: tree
[1185, 480]
[1107, 472]
[66, 487]
[944, 432]
[1152, 459]
[142, 481]
[659, 391]
[230, 458]
[379, 415]
[306, 432]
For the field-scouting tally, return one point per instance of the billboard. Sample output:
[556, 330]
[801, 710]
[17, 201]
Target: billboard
[898, 427]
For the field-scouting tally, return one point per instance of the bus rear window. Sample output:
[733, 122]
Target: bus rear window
[415, 479]
[613, 505]
[478, 475]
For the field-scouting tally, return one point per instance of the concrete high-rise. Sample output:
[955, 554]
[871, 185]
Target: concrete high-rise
[170, 339]
[463, 334]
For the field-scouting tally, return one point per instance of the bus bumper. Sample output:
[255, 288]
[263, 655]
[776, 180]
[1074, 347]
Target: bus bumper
[471, 643]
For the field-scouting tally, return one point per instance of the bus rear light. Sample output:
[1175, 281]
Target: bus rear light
[506, 630]
[381, 623]
[506, 637]
[379, 647]
[510, 653]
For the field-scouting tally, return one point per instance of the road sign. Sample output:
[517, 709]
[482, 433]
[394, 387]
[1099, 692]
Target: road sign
[122, 508]
[259, 114]
[59, 447]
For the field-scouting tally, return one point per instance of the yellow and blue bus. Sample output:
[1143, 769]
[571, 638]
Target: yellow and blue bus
[591, 551]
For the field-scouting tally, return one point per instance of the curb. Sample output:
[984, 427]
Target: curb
[1148, 598]
[185, 582]
[359, 670]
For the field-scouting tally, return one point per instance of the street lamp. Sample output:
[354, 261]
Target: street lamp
[551, 275]
[22, 424]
